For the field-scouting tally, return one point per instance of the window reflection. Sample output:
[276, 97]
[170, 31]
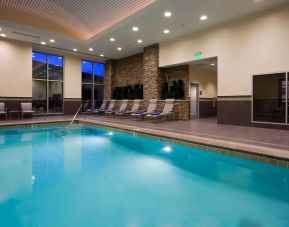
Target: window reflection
[98, 73]
[55, 96]
[92, 83]
[55, 67]
[269, 94]
[39, 65]
[47, 83]
[87, 72]
[98, 95]
[87, 95]
[39, 96]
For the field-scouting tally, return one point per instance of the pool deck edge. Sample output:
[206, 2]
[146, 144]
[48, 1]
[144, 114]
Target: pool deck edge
[248, 148]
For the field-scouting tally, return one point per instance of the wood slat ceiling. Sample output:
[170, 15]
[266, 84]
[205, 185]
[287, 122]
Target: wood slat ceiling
[85, 19]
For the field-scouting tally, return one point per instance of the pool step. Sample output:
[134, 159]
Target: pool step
[68, 130]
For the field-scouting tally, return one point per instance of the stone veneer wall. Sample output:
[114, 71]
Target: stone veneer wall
[129, 71]
[181, 107]
[151, 72]
[176, 73]
[143, 69]
[109, 79]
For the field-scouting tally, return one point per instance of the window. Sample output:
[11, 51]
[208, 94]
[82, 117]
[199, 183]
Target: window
[270, 98]
[92, 83]
[47, 84]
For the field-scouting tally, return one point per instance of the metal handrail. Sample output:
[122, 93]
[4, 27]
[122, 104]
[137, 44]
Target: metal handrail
[74, 116]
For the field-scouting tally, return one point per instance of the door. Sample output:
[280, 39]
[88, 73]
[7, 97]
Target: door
[194, 101]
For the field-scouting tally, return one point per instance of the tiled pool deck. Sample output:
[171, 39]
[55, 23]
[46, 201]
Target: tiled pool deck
[269, 142]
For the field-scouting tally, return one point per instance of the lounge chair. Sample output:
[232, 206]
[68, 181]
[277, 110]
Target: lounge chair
[151, 108]
[134, 109]
[110, 110]
[123, 107]
[26, 109]
[3, 110]
[167, 111]
[99, 110]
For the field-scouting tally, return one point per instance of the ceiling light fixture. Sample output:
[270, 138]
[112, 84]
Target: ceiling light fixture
[74, 49]
[166, 31]
[119, 49]
[112, 39]
[204, 17]
[90, 49]
[212, 64]
[3, 35]
[135, 29]
[102, 55]
[43, 43]
[52, 40]
[139, 41]
[168, 14]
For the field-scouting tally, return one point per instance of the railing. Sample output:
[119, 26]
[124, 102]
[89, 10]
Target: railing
[64, 130]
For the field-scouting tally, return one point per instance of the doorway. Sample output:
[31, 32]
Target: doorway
[194, 101]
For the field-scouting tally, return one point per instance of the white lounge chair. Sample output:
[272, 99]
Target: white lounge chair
[26, 109]
[151, 108]
[167, 111]
[101, 109]
[134, 109]
[3, 110]
[123, 107]
[110, 110]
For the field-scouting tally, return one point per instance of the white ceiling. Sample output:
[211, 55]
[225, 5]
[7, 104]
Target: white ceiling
[151, 23]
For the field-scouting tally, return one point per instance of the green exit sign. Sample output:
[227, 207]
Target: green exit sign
[198, 55]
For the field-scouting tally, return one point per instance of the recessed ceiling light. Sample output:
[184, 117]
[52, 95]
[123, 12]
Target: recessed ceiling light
[212, 64]
[119, 49]
[90, 49]
[3, 35]
[166, 31]
[135, 29]
[168, 14]
[52, 40]
[112, 39]
[204, 17]
[43, 43]
[102, 55]
[74, 49]
[139, 41]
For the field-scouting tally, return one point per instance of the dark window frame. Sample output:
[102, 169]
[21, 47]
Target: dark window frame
[48, 80]
[94, 84]
[280, 87]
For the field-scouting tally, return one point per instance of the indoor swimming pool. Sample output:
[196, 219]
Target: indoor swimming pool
[95, 176]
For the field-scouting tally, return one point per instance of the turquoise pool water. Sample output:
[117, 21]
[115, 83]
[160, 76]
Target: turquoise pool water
[94, 177]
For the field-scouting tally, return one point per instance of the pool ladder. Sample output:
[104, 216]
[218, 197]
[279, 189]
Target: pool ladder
[63, 131]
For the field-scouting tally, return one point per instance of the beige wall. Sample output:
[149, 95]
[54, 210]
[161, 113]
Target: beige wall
[254, 45]
[207, 80]
[72, 77]
[15, 69]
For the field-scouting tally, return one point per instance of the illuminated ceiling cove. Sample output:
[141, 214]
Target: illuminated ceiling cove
[81, 19]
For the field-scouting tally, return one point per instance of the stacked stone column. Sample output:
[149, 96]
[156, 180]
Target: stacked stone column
[151, 72]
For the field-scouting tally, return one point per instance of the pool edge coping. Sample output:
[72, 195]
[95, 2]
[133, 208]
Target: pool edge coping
[273, 156]
[258, 153]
